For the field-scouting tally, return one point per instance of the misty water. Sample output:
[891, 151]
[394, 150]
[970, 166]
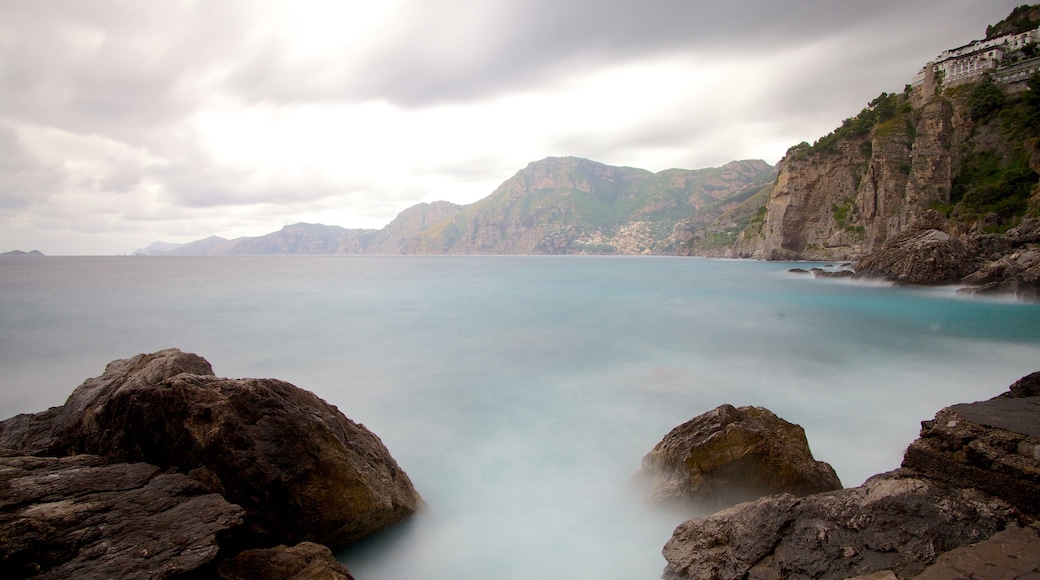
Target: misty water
[519, 393]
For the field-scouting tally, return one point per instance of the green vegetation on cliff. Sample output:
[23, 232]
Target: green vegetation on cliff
[997, 174]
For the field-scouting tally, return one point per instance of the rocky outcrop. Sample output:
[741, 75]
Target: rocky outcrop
[923, 256]
[729, 455]
[971, 474]
[892, 522]
[86, 517]
[298, 468]
[304, 561]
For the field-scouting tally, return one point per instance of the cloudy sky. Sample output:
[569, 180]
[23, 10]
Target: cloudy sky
[125, 122]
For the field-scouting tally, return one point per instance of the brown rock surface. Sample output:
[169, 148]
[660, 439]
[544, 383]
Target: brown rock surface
[895, 521]
[301, 470]
[974, 471]
[729, 455]
[923, 256]
[304, 561]
[84, 517]
[1013, 554]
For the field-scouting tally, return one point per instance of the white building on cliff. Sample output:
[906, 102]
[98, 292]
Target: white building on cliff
[969, 62]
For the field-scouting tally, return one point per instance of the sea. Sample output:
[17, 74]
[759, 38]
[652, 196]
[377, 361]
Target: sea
[521, 392]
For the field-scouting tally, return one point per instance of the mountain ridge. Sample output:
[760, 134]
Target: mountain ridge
[556, 205]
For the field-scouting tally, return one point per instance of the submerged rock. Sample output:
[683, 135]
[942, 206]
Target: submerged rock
[729, 455]
[974, 471]
[299, 469]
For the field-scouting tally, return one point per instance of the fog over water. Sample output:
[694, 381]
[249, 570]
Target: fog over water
[520, 393]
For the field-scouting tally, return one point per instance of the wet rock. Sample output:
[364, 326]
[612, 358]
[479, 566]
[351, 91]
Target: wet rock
[895, 521]
[729, 455]
[920, 256]
[973, 472]
[84, 517]
[301, 470]
[304, 561]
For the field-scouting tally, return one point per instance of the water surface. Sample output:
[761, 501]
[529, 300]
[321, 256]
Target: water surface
[520, 393]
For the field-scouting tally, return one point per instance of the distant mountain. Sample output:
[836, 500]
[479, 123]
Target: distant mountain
[567, 205]
[156, 248]
[22, 253]
[559, 205]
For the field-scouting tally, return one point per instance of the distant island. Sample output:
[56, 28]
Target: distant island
[22, 253]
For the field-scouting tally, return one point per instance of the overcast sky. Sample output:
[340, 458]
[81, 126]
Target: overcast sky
[127, 122]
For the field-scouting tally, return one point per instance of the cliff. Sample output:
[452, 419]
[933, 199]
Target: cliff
[968, 151]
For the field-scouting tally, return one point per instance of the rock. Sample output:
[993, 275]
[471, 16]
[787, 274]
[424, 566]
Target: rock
[1013, 554]
[992, 445]
[895, 521]
[304, 561]
[920, 256]
[974, 471]
[729, 455]
[84, 517]
[1027, 386]
[301, 470]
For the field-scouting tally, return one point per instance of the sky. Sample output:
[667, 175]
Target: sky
[125, 122]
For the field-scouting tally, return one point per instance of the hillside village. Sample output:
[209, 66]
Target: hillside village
[1009, 59]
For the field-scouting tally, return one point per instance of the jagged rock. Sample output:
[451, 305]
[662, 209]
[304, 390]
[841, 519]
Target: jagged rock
[974, 471]
[301, 470]
[729, 455]
[928, 256]
[304, 561]
[84, 517]
[992, 445]
[895, 521]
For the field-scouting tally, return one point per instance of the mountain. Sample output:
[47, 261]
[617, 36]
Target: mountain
[962, 144]
[559, 205]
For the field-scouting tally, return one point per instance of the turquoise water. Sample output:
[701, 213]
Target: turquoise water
[520, 393]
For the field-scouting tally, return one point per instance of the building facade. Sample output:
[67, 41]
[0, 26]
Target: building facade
[969, 62]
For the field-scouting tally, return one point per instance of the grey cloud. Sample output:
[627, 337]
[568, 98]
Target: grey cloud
[23, 180]
[436, 54]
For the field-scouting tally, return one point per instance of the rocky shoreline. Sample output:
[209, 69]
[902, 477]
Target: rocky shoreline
[964, 504]
[158, 469]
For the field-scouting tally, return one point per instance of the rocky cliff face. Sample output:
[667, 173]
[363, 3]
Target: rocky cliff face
[968, 151]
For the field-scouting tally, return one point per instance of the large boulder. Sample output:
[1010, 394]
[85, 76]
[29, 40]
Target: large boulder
[920, 256]
[85, 517]
[301, 470]
[974, 471]
[729, 455]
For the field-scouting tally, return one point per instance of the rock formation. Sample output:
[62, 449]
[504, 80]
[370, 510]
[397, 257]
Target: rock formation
[86, 517]
[729, 455]
[304, 561]
[294, 466]
[972, 474]
[924, 255]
